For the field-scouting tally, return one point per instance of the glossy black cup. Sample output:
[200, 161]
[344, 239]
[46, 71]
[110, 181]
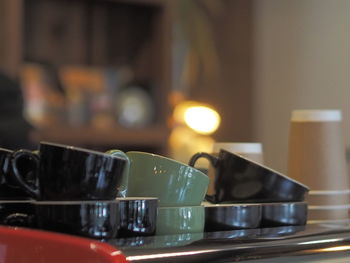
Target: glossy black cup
[138, 216]
[17, 213]
[224, 217]
[70, 173]
[284, 214]
[238, 179]
[92, 219]
[9, 188]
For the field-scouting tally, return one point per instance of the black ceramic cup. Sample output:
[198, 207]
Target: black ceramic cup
[9, 188]
[70, 173]
[284, 214]
[239, 180]
[92, 219]
[224, 217]
[17, 213]
[138, 216]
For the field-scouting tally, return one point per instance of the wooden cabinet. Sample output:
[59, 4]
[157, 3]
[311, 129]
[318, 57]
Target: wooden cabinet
[98, 33]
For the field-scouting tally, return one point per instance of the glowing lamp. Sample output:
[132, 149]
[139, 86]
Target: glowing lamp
[200, 117]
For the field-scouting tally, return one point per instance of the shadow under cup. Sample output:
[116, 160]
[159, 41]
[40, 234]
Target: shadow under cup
[238, 179]
[71, 173]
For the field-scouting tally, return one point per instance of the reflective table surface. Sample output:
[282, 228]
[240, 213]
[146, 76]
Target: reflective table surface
[256, 245]
[310, 243]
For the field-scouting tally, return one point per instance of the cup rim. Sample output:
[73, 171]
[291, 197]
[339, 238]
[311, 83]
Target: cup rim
[166, 158]
[79, 149]
[239, 147]
[316, 115]
[8, 201]
[136, 198]
[329, 207]
[266, 168]
[76, 202]
[303, 203]
[329, 192]
[334, 222]
[181, 207]
[4, 150]
[237, 205]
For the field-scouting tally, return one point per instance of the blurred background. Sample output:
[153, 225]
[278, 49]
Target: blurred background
[106, 74]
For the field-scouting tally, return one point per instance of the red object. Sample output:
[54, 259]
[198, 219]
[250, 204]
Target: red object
[19, 245]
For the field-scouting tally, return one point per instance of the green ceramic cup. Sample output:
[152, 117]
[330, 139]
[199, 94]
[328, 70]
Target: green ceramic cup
[180, 220]
[172, 182]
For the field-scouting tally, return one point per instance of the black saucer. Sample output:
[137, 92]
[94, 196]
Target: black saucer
[222, 217]
[284, 214]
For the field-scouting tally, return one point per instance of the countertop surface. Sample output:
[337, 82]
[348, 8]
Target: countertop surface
[238, 245]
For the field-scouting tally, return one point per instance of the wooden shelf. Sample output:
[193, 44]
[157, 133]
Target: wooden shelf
[132, 34]
[155, 136]
[141, 2]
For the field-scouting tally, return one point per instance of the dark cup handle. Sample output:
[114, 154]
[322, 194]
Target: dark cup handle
[19, 177]
[214, 162]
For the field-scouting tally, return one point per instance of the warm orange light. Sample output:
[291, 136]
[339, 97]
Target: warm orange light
[199, 117]
[202, 119]
[335, 249]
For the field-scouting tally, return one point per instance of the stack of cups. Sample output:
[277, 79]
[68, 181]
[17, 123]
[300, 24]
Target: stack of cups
[317, 159]
[219, 217]
[16, 208]
[246, 194]
[179, 188]
[75, 191]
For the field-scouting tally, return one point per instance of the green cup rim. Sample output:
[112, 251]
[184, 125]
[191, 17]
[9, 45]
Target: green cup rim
[181, 207]
[166, 158]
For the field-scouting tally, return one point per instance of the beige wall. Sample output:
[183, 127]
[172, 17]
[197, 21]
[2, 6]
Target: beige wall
[302, 60]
